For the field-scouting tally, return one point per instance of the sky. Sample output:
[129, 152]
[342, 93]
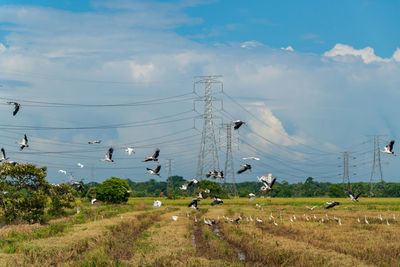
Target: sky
[311, 78]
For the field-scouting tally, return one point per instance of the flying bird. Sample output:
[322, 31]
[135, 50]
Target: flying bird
[220, 175]
[216, 201]
[94, 142]
[108, 156]
[252, 196]
[193, 204]
[192, 182]
[17, 106]
[251, 158]
[331, 204]
[268, 182]
[129, 150]
[3, 155]
[244, 168]
[154, 157]
[80, 165]
[62, 171]
[155, 171]
[237, 124]
[388, 148]
[354, 198]
[213, 173]
[23, 143]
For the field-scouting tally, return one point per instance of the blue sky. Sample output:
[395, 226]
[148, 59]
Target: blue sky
[313, 74]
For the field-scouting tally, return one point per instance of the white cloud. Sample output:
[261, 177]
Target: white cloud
[367, 54]
[396, 55]
[251, 44]
[289, 48]
[2, 48]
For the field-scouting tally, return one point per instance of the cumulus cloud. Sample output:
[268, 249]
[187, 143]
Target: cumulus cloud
[288, 48]
[367, 54]
[116, 57]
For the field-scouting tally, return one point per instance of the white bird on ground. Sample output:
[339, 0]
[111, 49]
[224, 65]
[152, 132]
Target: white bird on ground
[94, 142]
[93, 201]
[387, 222]
[388, 148]
[365, 219]
[311, 208]
[17, 106]
[80, 165]
[175, 218]
[251, 158]
[155, 171]
[23, 143]
[62, 171]
[237, 124]
[294, 217]
[3, 155]
[275, 223]
[157, 204]
[154, 157]
[358, 220]
[78, 210]
[259, 220]
[129, 150]
[380, 217]
[252, 196]
[108, 156]
[244, 168]
[192, 182]
[251, 219]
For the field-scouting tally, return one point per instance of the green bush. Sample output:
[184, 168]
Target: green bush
[62, 196]
[113, 190]
[24, 192]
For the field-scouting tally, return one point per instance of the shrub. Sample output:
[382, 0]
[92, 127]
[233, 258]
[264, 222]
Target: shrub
[24, 192]
[113, 190]
[62, 196]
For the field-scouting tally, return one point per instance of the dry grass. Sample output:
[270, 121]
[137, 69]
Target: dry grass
[149, 237]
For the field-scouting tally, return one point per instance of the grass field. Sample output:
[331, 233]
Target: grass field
[135, 234]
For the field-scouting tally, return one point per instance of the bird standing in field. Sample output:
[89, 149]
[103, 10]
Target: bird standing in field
[237, 124]
[23, 143]
[244, 168]
[155, 171]
[108, 156]
[388, 148]
[331, 204]
[17, 106]
[154, 157]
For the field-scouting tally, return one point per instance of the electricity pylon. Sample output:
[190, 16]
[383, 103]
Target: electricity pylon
[229, 168]
[208, 155]
[376, 164]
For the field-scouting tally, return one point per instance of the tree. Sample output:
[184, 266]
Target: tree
[113, 190]
[62, 196]
[336, 190]
[24, 192]
[215, 188]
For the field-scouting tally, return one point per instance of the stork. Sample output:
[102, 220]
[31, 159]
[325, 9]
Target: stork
[108, 156]
[17, 106]
[23, 143]
[154, 157]
[155, 171]
[388, 148]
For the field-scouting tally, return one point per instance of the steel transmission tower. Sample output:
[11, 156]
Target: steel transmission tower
[229, 169]
[346, 172]
[208, 155]
[376, 164]
[170, 183]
